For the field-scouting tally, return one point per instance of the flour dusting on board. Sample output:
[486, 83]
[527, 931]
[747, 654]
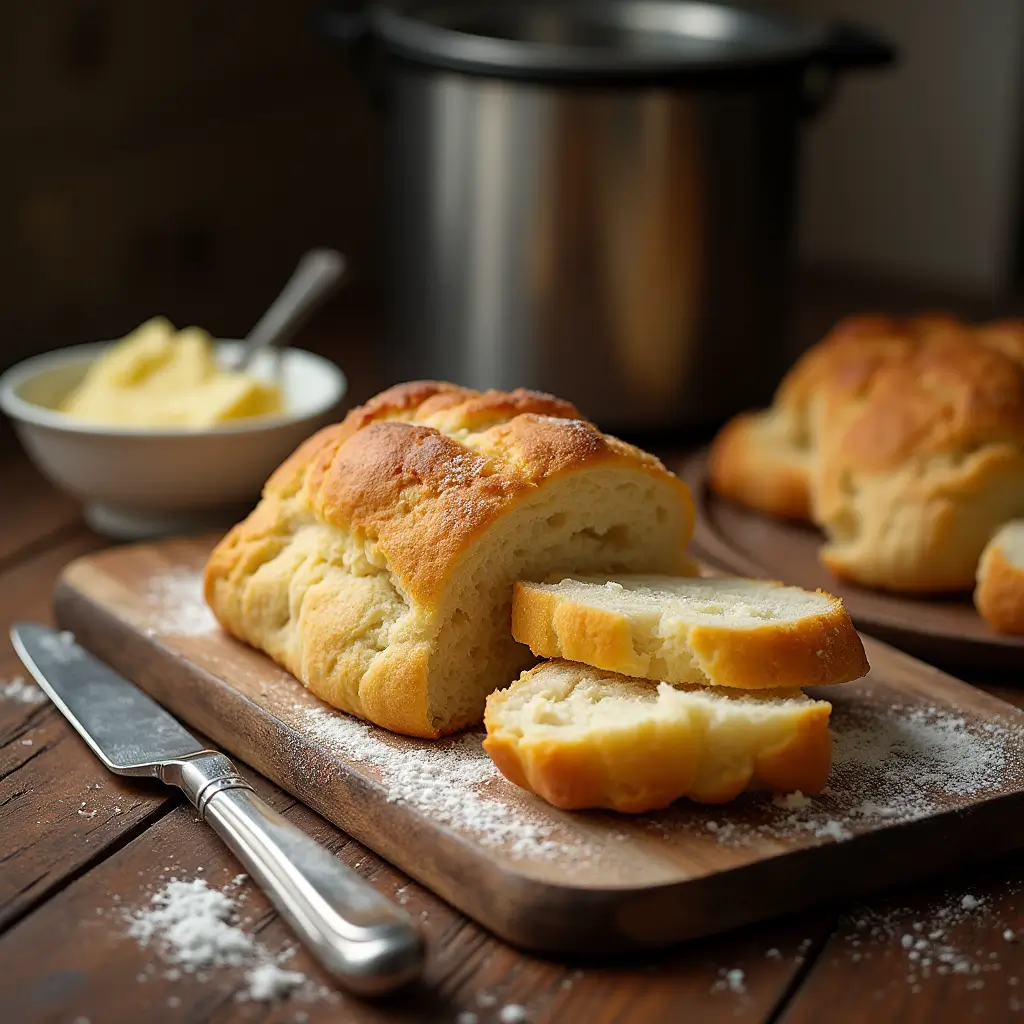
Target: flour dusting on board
[445, 780]
[175, 606]
[891, 764]
[898, 763]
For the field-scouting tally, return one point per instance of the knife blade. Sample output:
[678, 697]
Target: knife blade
[126, 729]
[369, 945]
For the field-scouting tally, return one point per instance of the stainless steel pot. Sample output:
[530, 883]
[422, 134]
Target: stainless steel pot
[598, 197]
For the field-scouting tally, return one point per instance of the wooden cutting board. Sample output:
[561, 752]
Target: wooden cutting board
[927, 776]
[946, 631]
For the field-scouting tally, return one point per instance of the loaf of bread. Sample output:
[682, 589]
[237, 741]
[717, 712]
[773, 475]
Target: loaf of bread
[749, 634]
[999, 594]
[903, 440]
[580, 737]
[378, 566]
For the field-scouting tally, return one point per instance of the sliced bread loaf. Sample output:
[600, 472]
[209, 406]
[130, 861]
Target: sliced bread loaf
[999, 594]
[378, 566]
[749, 634]
[579, 737]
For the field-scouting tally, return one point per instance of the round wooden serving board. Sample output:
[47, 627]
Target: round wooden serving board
[945, 631]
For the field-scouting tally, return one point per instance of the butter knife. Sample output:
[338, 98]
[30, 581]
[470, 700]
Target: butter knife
[365, 942]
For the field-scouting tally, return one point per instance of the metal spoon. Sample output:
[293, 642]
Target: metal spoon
[317, 277]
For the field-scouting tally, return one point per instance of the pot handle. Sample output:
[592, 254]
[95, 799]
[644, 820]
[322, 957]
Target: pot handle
[846, 47]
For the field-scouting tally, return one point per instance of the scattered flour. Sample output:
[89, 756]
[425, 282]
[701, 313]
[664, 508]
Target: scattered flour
[513, 1013]
[890, 764]
[731, 979]
[195, 927]
[931, 939]
[175, 605]
[269, 982]
[736, 980]
[795, 801]
[19, 691]
[447, 781]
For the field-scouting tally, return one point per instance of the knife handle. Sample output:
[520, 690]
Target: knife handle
[365, 942]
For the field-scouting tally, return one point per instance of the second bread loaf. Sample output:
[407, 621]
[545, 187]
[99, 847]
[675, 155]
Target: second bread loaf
[749, 634]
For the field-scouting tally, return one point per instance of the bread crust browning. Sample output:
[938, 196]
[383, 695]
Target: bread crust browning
[342, 572]
[911, 437]
[752, 463]
[812, 651]
[648, 765]
[999, 594]
[457, 492]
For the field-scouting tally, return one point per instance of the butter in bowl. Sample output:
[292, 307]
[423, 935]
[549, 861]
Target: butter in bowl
[155, 434]
[160, 377]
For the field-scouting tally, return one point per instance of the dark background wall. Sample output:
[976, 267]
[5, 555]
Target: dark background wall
[175, 157]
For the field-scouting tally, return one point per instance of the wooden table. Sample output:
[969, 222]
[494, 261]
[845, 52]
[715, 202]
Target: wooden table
[65, 875]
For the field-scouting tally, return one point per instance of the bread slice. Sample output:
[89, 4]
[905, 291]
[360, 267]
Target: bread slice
[999, 594]
[582, 738]
[750, 634]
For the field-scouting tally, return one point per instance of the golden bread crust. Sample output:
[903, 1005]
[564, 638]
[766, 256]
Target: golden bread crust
[399, 465]
[753, 463]
[816, 650]
[999, 594]
[343, 571]
[911, 435]
[648, 764]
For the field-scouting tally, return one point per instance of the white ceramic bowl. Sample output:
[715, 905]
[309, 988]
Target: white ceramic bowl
[139, 483]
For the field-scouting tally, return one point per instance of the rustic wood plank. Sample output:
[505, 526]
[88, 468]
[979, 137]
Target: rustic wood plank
[924, 956]
[60, 811]
[594, 881]
[33, 512]
[94, 970]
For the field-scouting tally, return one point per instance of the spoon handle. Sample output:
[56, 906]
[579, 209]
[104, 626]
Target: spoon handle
[316, 278]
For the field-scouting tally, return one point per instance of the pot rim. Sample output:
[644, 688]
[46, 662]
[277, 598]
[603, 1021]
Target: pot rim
[667, 40]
